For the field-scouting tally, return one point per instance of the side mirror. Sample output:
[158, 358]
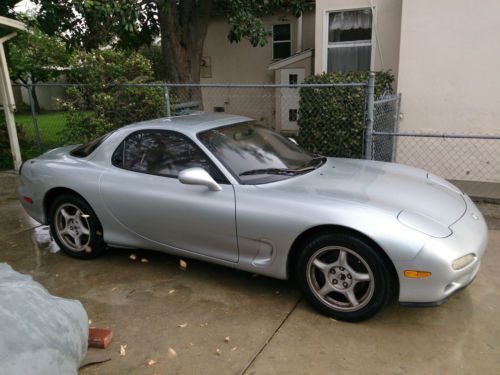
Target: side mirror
[293, 140]
[198, 176]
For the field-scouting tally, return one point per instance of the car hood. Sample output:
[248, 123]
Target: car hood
[402, 190]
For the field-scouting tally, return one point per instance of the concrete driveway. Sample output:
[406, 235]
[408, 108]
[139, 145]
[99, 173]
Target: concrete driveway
[154, 306]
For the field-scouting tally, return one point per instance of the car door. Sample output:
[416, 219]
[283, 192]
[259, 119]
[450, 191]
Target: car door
[142, 191]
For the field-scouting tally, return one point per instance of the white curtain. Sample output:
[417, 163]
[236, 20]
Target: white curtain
[358, 19]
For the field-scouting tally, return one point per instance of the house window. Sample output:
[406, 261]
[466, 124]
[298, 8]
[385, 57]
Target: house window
[293, 115]
[349, 41]
[293, 79]
[282, 41]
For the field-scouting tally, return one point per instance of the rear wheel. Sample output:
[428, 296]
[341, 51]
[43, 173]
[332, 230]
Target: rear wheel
[344, 277]
[76, 228]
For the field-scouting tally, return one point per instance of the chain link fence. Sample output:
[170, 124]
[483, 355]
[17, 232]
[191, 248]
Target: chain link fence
[471, 161]
[330, 119]
[52, 115]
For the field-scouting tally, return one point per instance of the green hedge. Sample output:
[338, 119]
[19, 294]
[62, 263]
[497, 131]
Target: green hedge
[27, 147]
[99, 106]
[332, 120]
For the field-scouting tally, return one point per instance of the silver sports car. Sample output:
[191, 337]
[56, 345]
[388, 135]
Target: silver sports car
[221, 188]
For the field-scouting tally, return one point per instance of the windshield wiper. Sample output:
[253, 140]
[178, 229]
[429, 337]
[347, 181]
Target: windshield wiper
[282, 171]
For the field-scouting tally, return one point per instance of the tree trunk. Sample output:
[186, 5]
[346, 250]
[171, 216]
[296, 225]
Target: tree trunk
[34, 97]
[183, 29]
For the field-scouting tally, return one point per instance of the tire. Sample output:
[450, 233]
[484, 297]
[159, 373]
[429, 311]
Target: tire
[71, 217]
[359, 280]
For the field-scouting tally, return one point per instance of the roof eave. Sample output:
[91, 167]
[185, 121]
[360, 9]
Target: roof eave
[11, 25]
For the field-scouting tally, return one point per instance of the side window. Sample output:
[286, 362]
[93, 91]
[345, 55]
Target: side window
[282, 41]
[162, 153]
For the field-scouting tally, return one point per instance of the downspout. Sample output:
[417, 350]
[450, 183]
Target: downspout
[299, 33]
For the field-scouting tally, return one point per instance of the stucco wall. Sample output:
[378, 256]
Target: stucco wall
[449, 77]
[387, 18]
[450, 65]
[243, 63]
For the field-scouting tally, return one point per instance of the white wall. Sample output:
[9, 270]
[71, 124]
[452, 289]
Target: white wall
[449, 76]
[449, 68]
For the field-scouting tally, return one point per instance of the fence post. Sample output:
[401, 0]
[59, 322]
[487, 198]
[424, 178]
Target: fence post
[370, 116]
[33, 115]
[167, 99]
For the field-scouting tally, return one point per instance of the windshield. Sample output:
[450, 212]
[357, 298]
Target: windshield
[255, 154]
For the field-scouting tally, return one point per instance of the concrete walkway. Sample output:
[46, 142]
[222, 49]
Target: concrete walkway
[154, 306]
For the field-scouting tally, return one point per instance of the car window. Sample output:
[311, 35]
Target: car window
[86, 149]
[162, 153]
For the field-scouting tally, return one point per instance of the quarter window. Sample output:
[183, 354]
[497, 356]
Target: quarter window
[349, 41]
[162, 153]
[282, 41]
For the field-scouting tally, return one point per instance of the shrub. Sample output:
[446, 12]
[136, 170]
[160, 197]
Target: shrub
[97, 106]
[153, 54]
[332, 120]
[5, 153]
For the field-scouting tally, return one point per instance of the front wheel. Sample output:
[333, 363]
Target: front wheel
[76, 228]
[344, 277]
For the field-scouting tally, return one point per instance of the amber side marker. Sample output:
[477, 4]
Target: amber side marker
[417, 274]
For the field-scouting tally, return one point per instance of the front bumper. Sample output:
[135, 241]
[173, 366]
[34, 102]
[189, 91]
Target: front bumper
[470, 236]
[35, 208]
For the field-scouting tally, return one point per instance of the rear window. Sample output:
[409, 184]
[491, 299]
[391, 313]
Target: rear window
[86, 149]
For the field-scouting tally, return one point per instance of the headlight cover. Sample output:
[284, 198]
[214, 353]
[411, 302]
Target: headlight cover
[423, 224]
[462, 262]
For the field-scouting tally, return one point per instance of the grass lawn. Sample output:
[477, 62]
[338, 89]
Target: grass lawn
[50, 125]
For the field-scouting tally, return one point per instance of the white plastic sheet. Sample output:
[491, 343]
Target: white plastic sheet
[39, 333]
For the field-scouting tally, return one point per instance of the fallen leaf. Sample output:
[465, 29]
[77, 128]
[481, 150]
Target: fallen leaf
[234, 348]
[144, 260]
[182, 265]
[203, 324]
[333, 319]
[183, 325]
[218, 352]
[133, 256]
[171, 353]
[171, 291]
[90, 322]
[122, 350]
[226, 339]
[114, 288]
[87, 249]
[152, 362]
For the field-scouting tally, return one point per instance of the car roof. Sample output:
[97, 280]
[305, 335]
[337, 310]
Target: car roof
[192, 123]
